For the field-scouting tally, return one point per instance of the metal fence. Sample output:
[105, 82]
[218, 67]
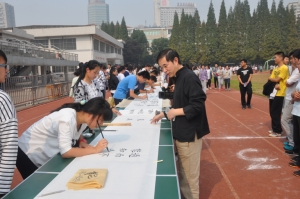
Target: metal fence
[25, 50]
[30, 90]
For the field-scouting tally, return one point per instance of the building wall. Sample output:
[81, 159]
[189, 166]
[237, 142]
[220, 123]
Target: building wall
[84, 36]
[98, 12]
[157, 5]
[10, 15]
[296, 6]
[167, 13]
[7, 16]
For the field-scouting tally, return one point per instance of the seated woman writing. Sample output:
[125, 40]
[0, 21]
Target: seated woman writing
[60, 132]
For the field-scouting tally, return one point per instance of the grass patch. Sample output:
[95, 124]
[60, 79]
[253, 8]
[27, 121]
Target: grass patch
[258, 81]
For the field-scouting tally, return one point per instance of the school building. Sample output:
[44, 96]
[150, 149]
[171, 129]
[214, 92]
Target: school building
[88, 41]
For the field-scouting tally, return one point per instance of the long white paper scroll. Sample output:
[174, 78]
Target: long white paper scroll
[131, 162]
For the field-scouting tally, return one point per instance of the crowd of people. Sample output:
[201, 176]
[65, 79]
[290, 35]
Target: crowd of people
[283, 88]
[61, 130]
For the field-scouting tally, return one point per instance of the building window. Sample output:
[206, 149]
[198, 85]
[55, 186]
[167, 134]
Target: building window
[66, 44]
[119, 51]
[107, 48]
[72, 68]
[57, 69]
[96, 44]
[102, 47]
[112, 49]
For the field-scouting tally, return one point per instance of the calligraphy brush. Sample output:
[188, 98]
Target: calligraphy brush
[101, 134]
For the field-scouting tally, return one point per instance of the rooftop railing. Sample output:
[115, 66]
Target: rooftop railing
[25, 50]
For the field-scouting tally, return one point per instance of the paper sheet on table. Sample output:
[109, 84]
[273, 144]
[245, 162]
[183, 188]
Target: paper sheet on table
[137, 121]
[132, 160]
[128, 178]
[166, 103]
[138, 112]
[155, 104]
[124, 103]
[273, 94]
[88, 179]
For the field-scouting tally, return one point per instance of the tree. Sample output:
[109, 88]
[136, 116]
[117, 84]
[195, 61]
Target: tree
[298, 26]
[223, 34]
[117, 31]
[263, 19]
[203, 44]
[253, 41]
[211, 34]
[123, 30]
[140, 37]
[175, 37]
[112, 29]
[182, 46]
[197, 54]
[191, 47]
[282, 16]
[272, 38]
[104, 27]
[232, 52]
[293, 37]
[246, 29]
[159, 45]
[132, 52]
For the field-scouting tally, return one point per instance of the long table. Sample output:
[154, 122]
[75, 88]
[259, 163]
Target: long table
[166, 187]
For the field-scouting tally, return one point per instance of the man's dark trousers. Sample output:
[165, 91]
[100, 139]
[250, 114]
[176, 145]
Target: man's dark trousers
[275, 113]
[243, 91]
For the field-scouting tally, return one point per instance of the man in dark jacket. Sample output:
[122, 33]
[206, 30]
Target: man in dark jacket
[189, 121]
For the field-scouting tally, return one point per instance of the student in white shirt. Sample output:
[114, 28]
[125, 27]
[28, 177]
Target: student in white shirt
[60, 132]
[74, 80]
[220, 74]
[87, 87]
[295, 161]
[287, 117]
[121, 72]
[227, 75]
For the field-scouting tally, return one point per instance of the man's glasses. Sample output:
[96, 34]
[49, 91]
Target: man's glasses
[3, 66]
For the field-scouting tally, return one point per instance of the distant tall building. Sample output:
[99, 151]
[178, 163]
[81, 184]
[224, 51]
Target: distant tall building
[157, 5]
[296, 6]
[167, 13]
[98, 12]
[7, 16]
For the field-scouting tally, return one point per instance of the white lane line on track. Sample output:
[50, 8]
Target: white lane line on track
[226, 112]
[222, 171]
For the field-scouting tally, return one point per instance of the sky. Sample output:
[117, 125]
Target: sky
[74, 12]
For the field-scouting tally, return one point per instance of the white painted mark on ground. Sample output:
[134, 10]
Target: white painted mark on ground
[257, 163]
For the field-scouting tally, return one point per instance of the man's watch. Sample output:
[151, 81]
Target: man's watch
[166, 116]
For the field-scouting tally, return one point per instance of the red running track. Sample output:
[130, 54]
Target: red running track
[238, 160]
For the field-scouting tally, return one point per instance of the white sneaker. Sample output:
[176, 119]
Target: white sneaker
[274, 135]
[270, 131]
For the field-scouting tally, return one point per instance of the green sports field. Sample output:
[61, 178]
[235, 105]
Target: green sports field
[258, 80]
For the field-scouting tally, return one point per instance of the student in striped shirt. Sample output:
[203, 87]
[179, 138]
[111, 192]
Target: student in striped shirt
[8, 133]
